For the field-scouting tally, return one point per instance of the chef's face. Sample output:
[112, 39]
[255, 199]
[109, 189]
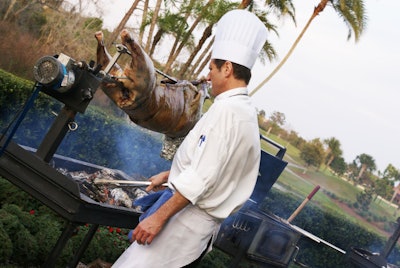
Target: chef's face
[217, 79]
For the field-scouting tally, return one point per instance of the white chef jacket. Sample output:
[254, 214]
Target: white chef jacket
[215, 168]
[217, 164]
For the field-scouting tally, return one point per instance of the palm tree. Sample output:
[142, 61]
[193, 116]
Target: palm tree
[279, 7]
[153, 24]
[210, 18]
[351, 11]
[391, 173]
[204, 15]
[151, 17]
[180, 43]
[166, 24]
[333, 150]
[367, 162]
[202, 61]
[121, 25]
[216, 12]
[144, 20]
[185, 68]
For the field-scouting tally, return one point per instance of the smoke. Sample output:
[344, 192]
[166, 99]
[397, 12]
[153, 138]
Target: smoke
[140, 149]
[99, 139]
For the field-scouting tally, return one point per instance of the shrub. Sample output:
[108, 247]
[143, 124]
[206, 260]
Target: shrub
[6, 248]
[24, 244]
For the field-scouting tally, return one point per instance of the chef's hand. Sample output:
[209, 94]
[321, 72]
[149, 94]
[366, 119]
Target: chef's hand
[157, 181]
[147, 229]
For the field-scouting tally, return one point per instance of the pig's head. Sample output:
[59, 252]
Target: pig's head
[134, 84]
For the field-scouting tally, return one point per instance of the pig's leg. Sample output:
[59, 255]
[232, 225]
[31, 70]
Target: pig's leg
[102, 55]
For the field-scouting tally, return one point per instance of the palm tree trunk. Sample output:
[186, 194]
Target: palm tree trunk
[186, 36]
[203, 64]
[244, 4]
[144, 16]
[321, 6]
[153, 25]
[202, 60]
[328, 163]
[330, 160]
[172, 52]
[206, 34]
[121, 25]
[362, 170]
[156, 39]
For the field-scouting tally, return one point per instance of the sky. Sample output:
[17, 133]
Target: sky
[331, 86]
[334, 87]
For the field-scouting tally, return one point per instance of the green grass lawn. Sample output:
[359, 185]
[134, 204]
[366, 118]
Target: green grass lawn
[301, 184]
[303, 188]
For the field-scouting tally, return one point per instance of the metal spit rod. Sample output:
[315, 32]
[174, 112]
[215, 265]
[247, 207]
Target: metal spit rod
[121, 49]
[125, 182]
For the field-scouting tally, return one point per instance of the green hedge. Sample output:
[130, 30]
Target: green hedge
[30, 230]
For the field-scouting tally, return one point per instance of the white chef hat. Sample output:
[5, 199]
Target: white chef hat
[239, 38]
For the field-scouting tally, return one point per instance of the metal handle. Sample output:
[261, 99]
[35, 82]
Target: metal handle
[282, 150]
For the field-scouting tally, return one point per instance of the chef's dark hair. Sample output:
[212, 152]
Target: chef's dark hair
[239, 71]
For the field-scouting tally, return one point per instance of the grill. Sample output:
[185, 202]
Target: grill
[254, 235]
[260, 237]
[31, 171]
[250, 233]
[363, 258]
[274, 243]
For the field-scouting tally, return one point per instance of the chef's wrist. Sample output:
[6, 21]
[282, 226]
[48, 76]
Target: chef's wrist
[165, 175]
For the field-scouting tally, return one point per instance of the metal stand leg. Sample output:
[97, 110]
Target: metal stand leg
[62, 241]
[85, 243]
[56, 134]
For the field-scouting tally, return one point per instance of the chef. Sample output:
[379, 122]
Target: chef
[215, 169]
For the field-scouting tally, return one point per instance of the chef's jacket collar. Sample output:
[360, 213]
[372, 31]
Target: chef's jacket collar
[232, 92]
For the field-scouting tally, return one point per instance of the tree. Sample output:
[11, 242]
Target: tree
[338, 165]
[364, 162]
[389, 177]
[212, 17]
[364, 198]
[121, 25]
[206, 34]
[153, 24]
[278, 118]
[391, 173]
[312, 153]
[182, 39]
[351, 11]
[280, 8]
[384, 188]
[333, 150]
[167, 24]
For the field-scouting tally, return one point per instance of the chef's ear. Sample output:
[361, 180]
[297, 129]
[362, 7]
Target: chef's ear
[227, 68]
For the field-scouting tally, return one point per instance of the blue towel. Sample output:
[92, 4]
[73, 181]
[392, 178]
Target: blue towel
[150, 203]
